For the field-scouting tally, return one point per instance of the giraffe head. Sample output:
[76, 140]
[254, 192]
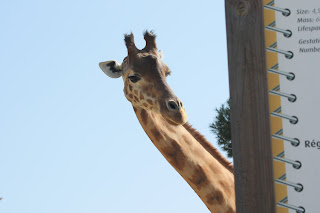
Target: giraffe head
[144, 75]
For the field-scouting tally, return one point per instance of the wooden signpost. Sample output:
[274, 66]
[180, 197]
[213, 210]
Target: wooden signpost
[273, 53]
[250, 119]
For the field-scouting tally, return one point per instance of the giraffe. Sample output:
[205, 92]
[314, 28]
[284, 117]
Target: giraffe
[164, 119]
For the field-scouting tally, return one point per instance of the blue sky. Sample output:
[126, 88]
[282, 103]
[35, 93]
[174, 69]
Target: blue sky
[69, 140]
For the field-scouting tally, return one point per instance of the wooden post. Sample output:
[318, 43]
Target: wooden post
[250, 124]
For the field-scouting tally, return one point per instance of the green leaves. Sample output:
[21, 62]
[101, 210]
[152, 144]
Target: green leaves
[221, 127]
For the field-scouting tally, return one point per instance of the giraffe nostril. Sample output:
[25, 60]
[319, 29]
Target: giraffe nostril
[172, 105]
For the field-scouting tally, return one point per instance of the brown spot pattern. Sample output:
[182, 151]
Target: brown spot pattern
[150, 102]
[130, 87]
[135, 92]
[215, 198]
[156, 134]
[130, 96]
[175, 155]
[144, 116]
[135, 109]
[145, 105]
[141, 96]
[136, 98]
[199, 178]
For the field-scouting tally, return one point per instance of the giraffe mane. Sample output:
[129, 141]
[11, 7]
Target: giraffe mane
[208, 146]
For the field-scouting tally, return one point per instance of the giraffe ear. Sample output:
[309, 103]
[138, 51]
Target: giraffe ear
[111, 68]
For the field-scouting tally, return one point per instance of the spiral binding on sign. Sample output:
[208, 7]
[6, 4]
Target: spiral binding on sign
[270, 6]
[273, 48]
[283, 203]
[278, 112]
[278, 135]
[286, 33]
[282, 180]
[276, 91]
[295, 164]
[290, 76]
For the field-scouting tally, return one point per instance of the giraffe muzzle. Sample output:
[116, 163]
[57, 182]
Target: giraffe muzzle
[175, 112]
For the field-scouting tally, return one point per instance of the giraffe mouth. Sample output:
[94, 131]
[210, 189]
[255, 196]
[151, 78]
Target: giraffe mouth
[176, 118]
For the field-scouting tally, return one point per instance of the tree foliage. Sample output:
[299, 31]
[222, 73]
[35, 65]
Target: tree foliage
[221, 127]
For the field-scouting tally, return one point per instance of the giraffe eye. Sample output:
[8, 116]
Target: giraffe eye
[134, 78]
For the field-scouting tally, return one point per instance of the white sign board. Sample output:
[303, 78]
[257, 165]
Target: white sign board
[304, 43]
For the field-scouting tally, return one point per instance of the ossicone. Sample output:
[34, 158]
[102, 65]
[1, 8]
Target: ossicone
[150, 39]
[129, 40]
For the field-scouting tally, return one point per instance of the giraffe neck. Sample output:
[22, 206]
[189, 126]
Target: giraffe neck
[212, 181]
